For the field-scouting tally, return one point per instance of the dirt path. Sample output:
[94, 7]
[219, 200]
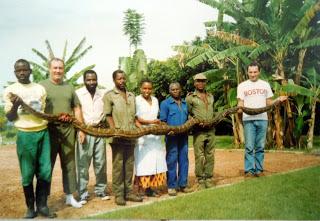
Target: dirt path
[228, 169]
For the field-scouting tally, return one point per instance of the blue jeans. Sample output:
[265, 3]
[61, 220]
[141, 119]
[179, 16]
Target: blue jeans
[177, 155]
[255, 137]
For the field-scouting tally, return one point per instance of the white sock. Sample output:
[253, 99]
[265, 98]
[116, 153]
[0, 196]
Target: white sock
[72, 202]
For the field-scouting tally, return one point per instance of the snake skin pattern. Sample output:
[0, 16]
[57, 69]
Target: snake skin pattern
[161, 129]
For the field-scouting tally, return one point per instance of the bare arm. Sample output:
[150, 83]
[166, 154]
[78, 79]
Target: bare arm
[12, 114]
[110, 121]
[78, 115]
[270, 101]
[240, 104]
[146, 122]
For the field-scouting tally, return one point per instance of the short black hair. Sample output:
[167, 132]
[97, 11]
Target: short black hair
[89, 72]
[145, 80]
[254, 63]
[22, 61]
[114, 74]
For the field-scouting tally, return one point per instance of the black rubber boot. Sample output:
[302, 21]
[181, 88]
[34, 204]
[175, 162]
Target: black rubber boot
[29, 196]
[42, 191]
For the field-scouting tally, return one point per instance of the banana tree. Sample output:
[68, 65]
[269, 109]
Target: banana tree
[41, 70]
[312, 91]
[135, 67]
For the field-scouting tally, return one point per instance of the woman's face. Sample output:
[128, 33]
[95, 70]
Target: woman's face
[146, 89]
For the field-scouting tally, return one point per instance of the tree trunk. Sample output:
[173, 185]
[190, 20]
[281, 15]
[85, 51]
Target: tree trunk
[220, 17]
[237, 128]
[278, 128]
[235, 132]
[302, 54]
[270, 130]
[240, 129]
[311, 125]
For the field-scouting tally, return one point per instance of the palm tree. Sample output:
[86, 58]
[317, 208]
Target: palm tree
[265, 29]
[133, 26]
[41, 71]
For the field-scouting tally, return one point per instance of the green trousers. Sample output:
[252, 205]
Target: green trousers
[33, 150]
[122, 168]
[62, 139]
[203, 143]
[94, 149]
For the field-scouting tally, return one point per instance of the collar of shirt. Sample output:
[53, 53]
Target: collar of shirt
[116, 90]
[97, 94]
[197, 93]
[171, 100]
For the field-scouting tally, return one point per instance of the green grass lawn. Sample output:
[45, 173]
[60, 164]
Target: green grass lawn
[291, 196]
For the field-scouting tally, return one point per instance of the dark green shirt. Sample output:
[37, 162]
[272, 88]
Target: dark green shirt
[198, 108]
[61, 98]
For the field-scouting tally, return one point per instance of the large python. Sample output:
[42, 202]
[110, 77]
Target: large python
[161, 129]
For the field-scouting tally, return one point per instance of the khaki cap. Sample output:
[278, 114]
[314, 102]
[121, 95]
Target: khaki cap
[199, 76]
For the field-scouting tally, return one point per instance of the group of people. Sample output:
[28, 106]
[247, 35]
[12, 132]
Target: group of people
[39, 142]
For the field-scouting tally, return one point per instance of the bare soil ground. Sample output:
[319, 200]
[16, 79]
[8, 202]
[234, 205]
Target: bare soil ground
[228, 169]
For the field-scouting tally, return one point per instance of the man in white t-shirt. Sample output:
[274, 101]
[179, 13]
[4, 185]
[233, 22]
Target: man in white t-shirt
[255, 93]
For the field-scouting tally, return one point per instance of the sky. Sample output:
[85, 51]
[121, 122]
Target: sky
[27, 24]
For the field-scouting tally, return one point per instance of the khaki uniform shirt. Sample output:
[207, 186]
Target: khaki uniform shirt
[122, 111]
[198, 108]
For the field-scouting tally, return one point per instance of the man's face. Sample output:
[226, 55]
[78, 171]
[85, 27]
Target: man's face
[91, 82]
[22, 72]
[175, 91]
[253, 73]
[56, 70]
[200, 84]
[120, 81]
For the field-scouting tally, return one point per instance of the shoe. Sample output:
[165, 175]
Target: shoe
[119, 200]
[151, 193]
[249, 175]
[44, 211]
[172, 192]
[42, 190]
[103, 196]
[185, 189]
[72, 202]
[260, 174]
[84, 198]
[200, 185]
[134, 198]
[29, 196]
[208, 183]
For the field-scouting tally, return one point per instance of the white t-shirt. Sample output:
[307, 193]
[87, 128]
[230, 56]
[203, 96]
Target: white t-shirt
[254, 95]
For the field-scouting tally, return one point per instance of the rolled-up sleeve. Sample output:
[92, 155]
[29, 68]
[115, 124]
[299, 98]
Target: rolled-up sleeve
[164, 111]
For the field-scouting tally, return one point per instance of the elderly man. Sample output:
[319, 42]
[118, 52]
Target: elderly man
[174, 112]
[61, 98]
[200, 105]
